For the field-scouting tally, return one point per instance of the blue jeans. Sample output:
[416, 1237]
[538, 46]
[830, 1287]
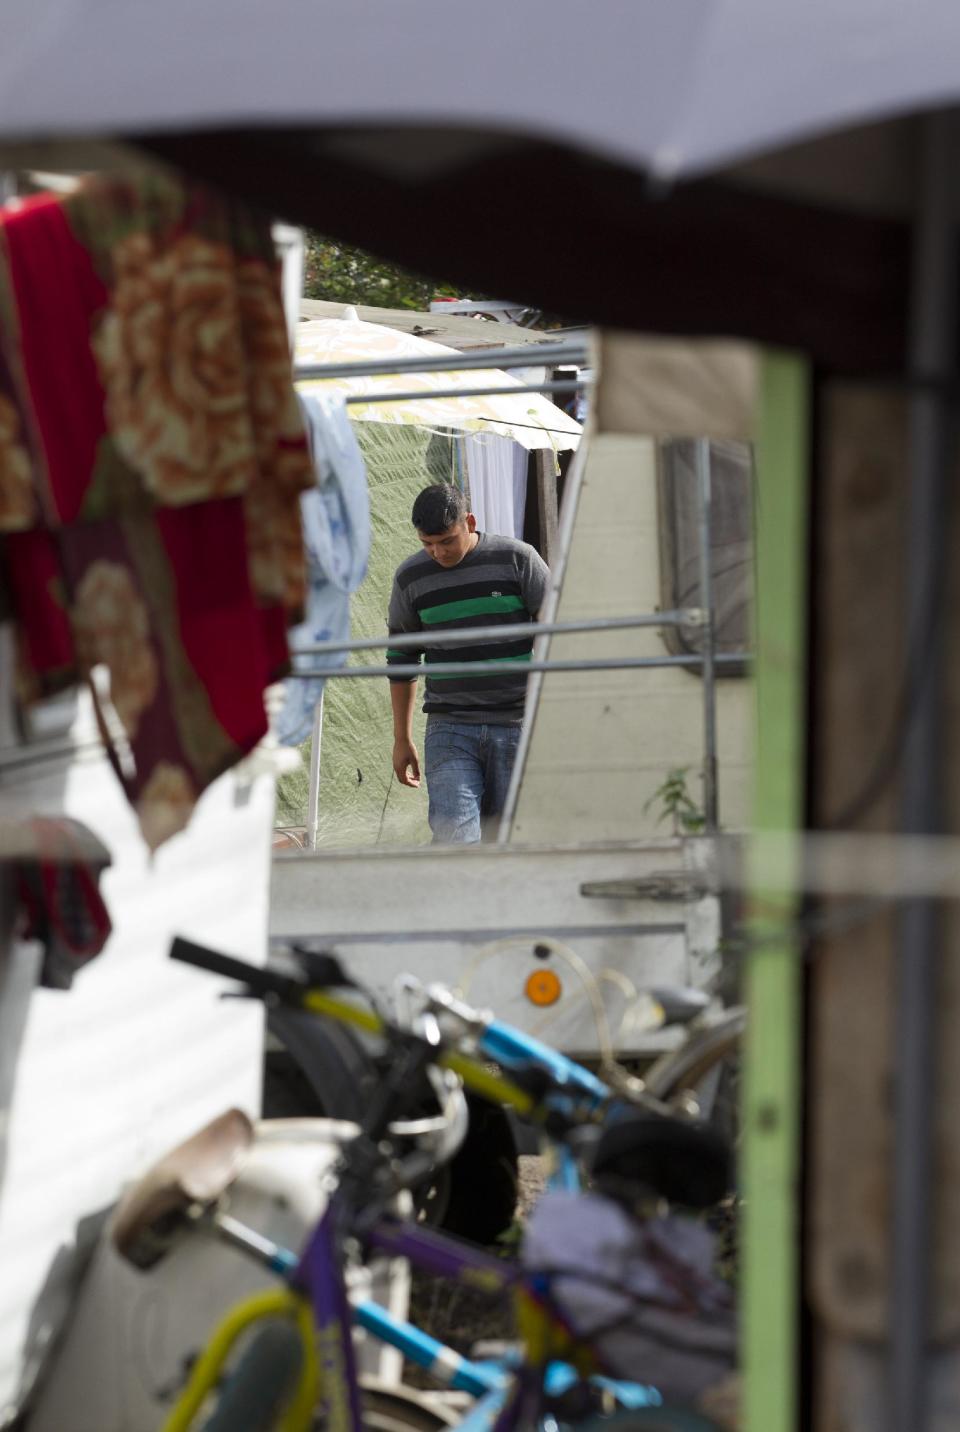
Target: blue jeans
[468, 768]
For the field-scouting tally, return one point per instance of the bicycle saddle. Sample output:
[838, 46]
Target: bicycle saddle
[686, 1162]
[679, 1004]
[197, 1171]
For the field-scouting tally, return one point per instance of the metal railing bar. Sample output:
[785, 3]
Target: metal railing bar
[417, 395]
[510, 668]
[313, 791]
[544, 355]
[463, 636]
[32, 753]
[704, 529]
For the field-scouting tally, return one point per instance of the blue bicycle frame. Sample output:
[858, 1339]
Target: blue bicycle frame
[505, 1394]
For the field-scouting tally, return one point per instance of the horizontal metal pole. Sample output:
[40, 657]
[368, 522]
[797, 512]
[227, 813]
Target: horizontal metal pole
[885, 867]
[543, 355]
[418, 395]
[15, 758]
[504, 631]
[510, 668]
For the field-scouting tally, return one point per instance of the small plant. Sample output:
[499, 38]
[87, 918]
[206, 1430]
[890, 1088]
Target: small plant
[676, 804]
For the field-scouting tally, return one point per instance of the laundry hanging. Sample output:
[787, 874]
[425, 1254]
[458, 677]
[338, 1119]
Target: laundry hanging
[152, 455]
[496, 472]
[336, 534]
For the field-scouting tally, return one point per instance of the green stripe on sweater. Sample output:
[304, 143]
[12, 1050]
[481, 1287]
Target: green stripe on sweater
[470, 607]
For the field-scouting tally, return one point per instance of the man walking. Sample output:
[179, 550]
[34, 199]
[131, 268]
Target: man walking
[462, 578]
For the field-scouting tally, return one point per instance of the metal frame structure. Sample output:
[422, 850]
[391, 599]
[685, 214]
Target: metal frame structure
[466, 636]
[497, 668]
[770, 1157]
[539, 355]
[705, 526]
[694, 616]
[545, 355]
[920, 941]
[560, 385]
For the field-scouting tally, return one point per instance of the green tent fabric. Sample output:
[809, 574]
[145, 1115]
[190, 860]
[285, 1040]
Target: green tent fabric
[360, 802]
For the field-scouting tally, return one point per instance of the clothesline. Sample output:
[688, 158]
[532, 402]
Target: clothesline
[536, 427]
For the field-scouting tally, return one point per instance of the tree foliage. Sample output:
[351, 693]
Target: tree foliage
[343, 274]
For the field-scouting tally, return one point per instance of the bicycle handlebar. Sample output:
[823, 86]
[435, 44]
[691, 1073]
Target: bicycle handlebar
[258, 979]
[266, 982]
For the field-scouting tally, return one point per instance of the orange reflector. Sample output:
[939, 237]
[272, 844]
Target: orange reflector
[543, 987]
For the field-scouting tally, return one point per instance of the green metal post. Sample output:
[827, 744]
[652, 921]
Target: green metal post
[770, 1286]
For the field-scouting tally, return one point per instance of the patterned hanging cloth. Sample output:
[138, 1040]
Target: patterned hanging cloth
[152, 457]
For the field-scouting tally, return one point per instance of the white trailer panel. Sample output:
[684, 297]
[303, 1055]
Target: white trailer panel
[473, 916]
[98, 1081]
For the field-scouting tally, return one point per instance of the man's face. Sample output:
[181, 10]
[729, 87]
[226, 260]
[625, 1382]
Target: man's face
[450, 547]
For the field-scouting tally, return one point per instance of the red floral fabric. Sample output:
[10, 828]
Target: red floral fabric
[151, 460]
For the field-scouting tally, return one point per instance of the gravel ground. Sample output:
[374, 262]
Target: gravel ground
[532, 1180]
[462, 1316]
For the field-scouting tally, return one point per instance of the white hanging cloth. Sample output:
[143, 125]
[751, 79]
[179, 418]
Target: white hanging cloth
[496, 472]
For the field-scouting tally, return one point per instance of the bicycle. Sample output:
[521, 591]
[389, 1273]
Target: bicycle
[539, 1083]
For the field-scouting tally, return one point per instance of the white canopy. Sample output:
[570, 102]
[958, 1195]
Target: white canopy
[675, 87]
[528, 418]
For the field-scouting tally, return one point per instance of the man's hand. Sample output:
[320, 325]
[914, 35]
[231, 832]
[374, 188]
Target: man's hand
[406, 763]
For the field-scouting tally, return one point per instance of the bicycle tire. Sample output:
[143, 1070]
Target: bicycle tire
[687, 1067]
[253, 1394]
[482, 1179]
[322, 1070]
[386, 1410]
[649, 1419]
[713, 1050]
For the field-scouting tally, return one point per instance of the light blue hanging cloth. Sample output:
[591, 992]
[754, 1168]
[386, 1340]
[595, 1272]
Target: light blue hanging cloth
[336, 534]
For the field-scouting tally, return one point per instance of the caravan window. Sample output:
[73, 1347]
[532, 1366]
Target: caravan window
[731, 468]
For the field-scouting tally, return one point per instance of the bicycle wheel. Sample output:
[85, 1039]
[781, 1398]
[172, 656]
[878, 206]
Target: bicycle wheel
[707, 1066]
[252, 1397]
[397, 1409]
[648, 1419]
[323, 1071]
[480, 1183]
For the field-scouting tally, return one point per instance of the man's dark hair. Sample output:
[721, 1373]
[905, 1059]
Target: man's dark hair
[438, 507]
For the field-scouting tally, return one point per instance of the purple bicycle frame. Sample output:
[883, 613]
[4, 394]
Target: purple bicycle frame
[320, 1275]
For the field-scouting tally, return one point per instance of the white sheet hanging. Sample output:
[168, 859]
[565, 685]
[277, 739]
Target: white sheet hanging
[496, 471]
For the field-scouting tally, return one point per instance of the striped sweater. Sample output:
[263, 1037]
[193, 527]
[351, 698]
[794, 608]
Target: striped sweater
[500, 581]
